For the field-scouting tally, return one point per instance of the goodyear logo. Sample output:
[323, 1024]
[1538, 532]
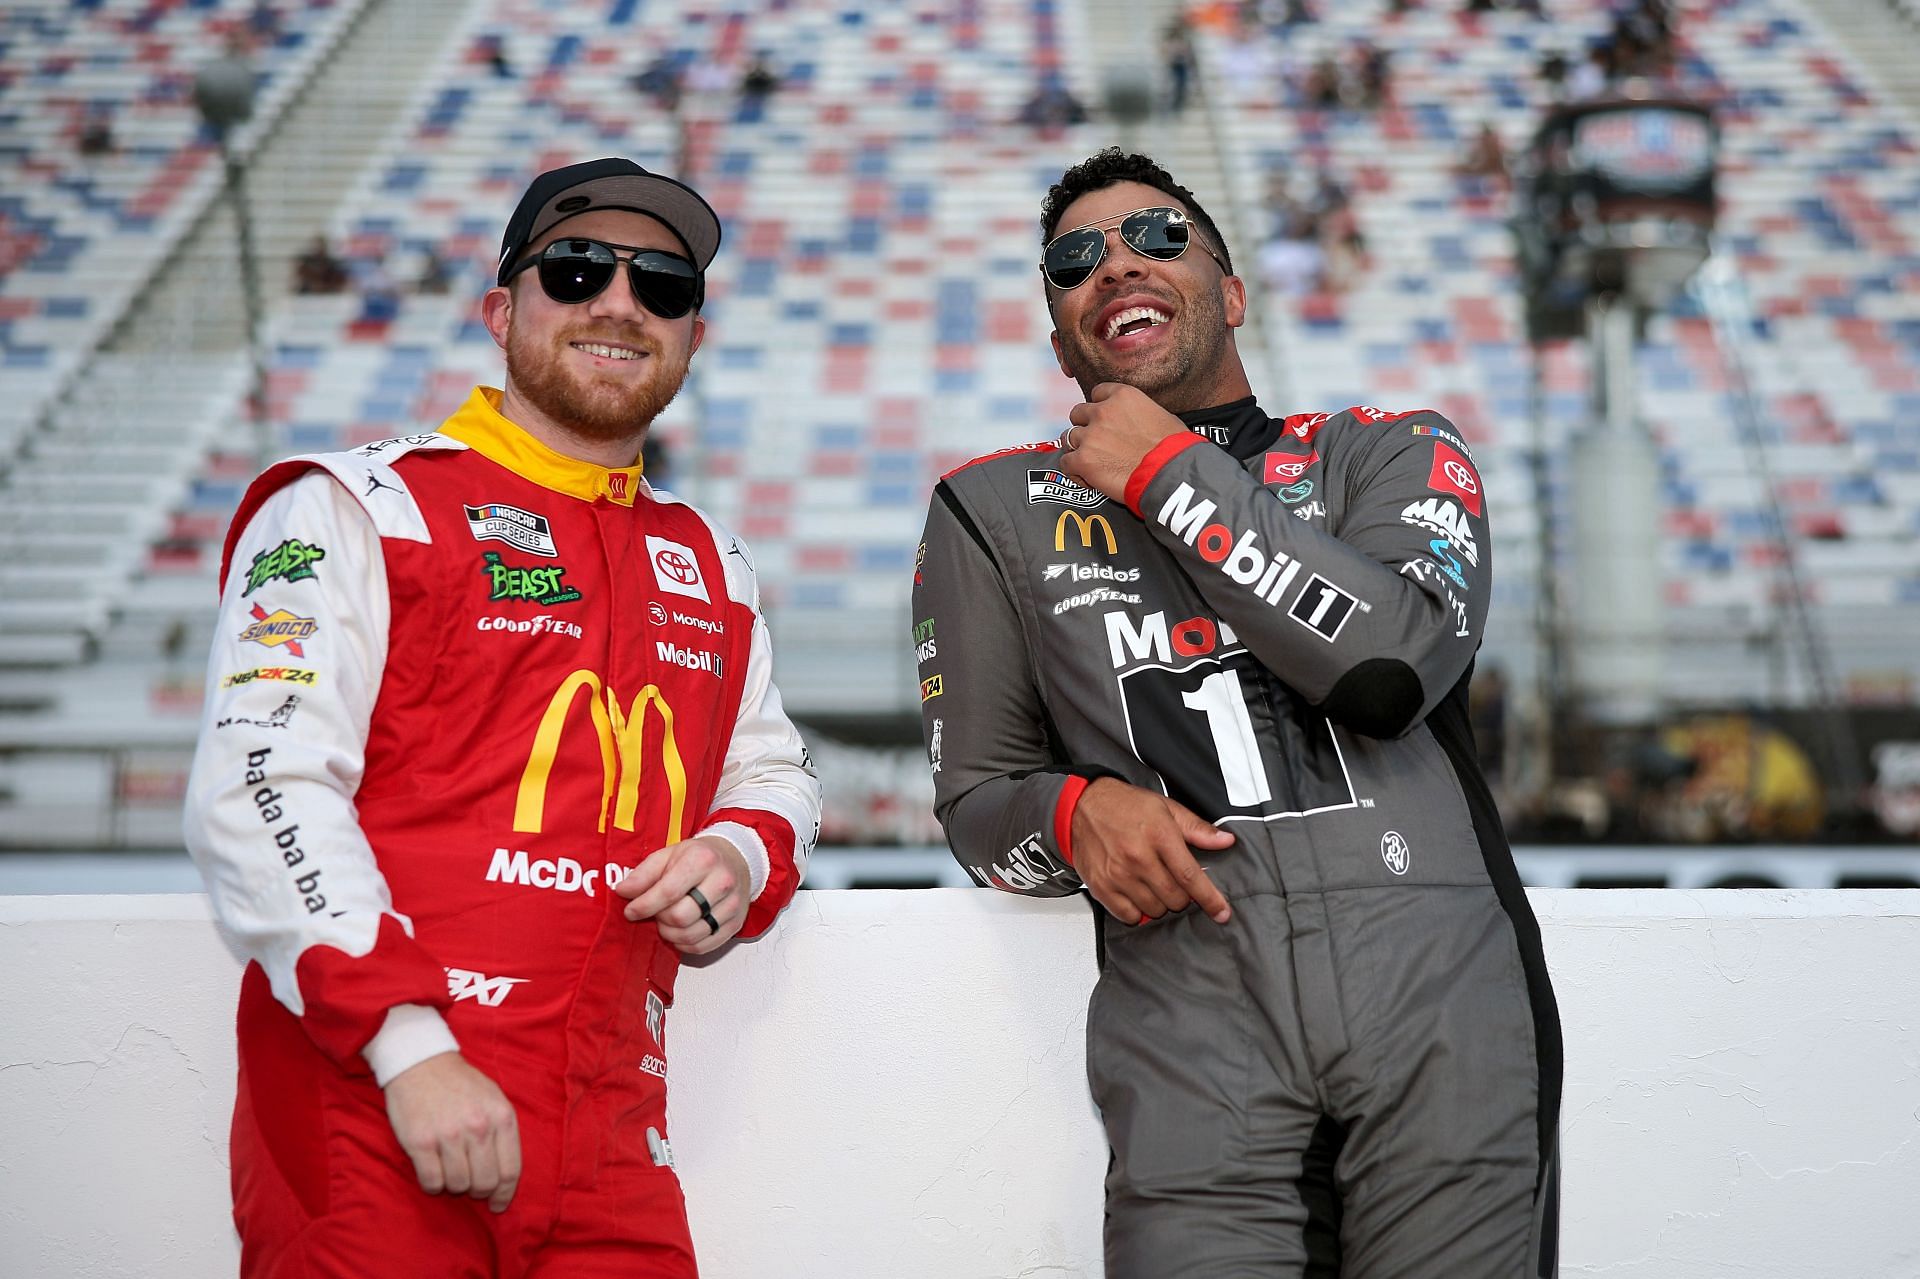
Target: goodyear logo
[272, 630]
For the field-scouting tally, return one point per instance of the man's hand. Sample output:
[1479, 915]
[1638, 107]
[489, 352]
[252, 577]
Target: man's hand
[458, 1128]
[659, 889]
[1111, 433]
[1131, 848]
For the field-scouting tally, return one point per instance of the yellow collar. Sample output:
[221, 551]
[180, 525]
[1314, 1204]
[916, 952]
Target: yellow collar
[479, 425]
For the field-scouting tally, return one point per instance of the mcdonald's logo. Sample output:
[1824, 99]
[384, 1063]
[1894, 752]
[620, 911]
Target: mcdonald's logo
[1085, 524]
[622, 738]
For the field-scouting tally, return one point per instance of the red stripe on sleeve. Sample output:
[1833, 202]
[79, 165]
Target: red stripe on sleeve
[1158, 456]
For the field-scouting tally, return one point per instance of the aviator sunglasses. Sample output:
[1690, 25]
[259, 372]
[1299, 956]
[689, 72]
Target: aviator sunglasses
[1161, 233]
[574, 271]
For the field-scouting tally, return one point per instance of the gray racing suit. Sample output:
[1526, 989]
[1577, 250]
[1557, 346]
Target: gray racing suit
[1359, 1075]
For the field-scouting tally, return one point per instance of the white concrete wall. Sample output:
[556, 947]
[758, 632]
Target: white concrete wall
[892, 1085]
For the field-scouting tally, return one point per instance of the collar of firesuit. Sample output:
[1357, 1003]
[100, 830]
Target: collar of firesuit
[1242, 428]
[480, 426]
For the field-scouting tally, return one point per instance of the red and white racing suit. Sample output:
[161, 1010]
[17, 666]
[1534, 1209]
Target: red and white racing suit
[461, 684]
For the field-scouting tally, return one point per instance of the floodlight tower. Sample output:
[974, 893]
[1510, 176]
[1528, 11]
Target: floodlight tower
[223, 90]
[1615, 212]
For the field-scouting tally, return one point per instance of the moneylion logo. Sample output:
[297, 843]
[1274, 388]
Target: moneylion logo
[622, 740]
[1085, 525]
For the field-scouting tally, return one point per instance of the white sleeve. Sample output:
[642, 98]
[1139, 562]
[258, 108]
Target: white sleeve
[767, 767]
[297, 660]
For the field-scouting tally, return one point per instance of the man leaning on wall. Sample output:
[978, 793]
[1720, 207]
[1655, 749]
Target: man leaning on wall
[490, 742]
[1212, 666]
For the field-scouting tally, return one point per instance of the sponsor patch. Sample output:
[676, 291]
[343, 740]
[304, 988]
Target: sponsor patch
[1054, 485]
[1441, 515]
[692, 659]
[925, 646]
[1452, 474]
[1395, 853]
[919, 560]
[378, 447]
[291, 561]
[933, 746]
[1448, 436]
[1090, 573]
[282, 674]
[1026, 866]
[464, 983]
[523, 530]
[1086, 526]
[1221, 435]
[545, 624]
[272, 630]
[1189, 517]
[1323, 608]
[676, 569]
[1098, 595]
[542, 585]
[1294, 493]
[930, 688]
[1312, 510]
[1285, 468]
[281, 716]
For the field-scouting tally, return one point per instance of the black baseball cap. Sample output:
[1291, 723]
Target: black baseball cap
[610, 183]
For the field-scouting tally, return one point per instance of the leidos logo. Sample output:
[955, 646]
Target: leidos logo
[622, 739]
[1085, 524]
[1241, 560]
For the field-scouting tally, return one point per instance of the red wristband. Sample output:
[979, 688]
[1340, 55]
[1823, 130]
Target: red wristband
[1157, 456]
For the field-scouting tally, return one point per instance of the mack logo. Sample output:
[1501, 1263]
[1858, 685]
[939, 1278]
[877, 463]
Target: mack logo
[1187, 516]
[692, 659]
[271, 630]
[1085, 525]
[1056, 486]
[524, 530]
[464, 983]
[1444, 516]
[534, 585]
[1092, 573]
[1153, 640]
[291, 561]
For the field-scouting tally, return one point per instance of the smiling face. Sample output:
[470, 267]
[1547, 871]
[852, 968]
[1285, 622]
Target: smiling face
[599, 370]
[1164, 327]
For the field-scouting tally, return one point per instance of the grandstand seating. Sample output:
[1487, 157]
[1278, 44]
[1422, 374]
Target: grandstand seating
[1818, 185]
[78, 233]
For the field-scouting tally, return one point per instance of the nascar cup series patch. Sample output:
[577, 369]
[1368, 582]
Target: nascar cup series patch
[498, 522]
[1052, 485]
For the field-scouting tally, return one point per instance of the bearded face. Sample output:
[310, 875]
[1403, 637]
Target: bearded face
[1197, 331]
[599, 397]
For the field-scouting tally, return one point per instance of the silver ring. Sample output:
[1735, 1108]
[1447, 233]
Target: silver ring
[1066, 437]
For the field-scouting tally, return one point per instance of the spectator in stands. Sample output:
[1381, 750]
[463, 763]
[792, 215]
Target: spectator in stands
[1052, 106]
[1372, 78]
[443, 722]
[1596, 75]
[759, 81]
[1321, 91]
[434, 276]
[1553, 73]
[659, 81]
[318, 271]
[1176, 54]
[1323, 1024]
[493, 52]
[1486, 158]
[96, 132]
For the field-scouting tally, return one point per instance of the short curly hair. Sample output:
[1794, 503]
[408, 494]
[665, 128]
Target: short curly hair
[1104, 168]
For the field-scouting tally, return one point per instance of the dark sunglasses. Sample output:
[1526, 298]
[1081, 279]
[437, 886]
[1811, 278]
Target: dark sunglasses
[575, 271]
[1162, 234]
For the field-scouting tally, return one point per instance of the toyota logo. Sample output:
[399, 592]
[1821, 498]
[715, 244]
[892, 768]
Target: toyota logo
[677, 566]
[1460, 475]
[656, 614]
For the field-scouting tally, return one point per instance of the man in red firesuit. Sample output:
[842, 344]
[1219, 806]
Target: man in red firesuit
[490, 742]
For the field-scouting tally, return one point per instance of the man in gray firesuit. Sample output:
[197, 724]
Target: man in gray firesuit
[1212, 666]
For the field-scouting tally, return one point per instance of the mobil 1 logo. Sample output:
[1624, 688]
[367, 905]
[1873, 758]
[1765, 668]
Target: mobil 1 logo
[1323, 608]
